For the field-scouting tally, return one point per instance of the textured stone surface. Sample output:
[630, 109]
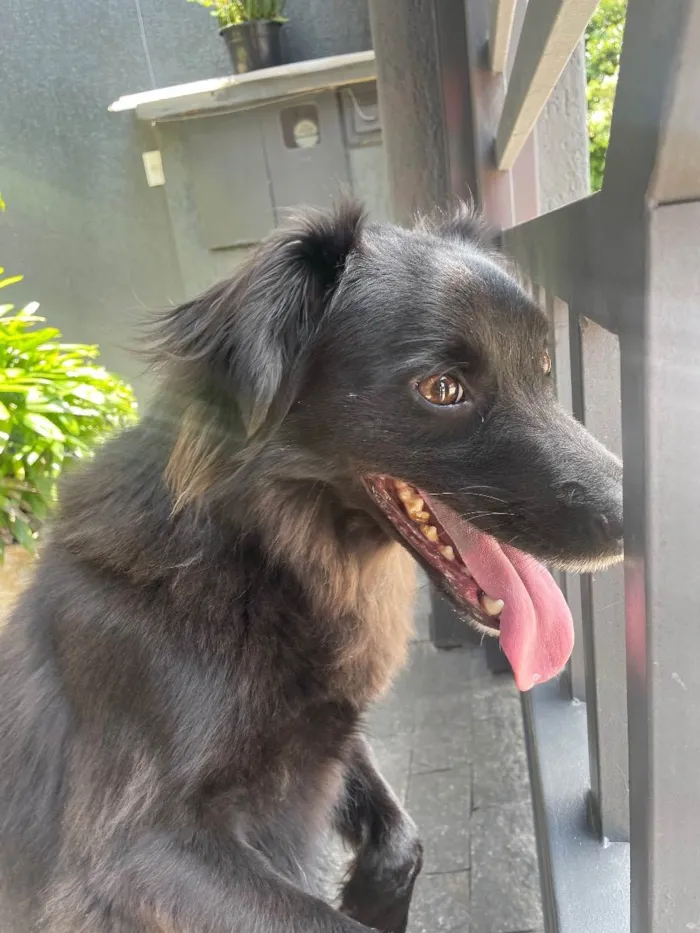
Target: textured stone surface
[317, 28]
[395, 715]
[443, 732]
[440, 805]
[505, 882]
[441, 904]
[500, 761]
[433, 673]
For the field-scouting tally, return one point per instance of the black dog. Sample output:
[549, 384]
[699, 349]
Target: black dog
[228, 587]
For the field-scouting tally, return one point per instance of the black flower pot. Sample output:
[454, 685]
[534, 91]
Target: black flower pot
[253, 45]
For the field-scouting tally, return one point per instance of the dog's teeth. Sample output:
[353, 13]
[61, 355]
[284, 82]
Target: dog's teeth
[430, 532]
[447, 552]
[413, 504]
[492, 607]
[416, 511]
[408, 495]
[399, 483]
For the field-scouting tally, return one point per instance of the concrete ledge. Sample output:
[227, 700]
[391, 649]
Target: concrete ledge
[237, 92]
[585, 882]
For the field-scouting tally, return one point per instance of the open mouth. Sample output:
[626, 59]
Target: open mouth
[501, 590]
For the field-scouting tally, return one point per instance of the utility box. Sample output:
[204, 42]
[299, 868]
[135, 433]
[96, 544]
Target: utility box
[240, 152]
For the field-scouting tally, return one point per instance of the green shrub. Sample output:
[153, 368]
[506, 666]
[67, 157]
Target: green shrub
[603, 47]
[235, 12]
[56, 404]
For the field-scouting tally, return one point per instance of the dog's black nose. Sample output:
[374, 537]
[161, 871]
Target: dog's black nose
[611, 524]
[604, 508]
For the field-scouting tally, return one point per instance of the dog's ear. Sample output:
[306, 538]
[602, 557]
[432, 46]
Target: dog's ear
[464, 222]
[244, 337]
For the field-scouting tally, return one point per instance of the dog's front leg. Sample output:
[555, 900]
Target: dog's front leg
[201, 884]
[389, 854]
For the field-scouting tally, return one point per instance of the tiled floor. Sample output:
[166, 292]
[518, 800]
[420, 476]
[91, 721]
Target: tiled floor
[450, 740]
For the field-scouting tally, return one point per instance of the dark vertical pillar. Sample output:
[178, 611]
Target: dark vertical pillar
[425, 102]
[426, 108]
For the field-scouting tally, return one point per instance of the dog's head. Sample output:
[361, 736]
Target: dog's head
[410, 371]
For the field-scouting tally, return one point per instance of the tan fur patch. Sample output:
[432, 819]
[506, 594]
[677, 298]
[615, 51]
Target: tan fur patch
[194, 459]
[360, 582]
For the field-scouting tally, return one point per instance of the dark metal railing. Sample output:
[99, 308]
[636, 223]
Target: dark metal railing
[614, 747]
[622, 262]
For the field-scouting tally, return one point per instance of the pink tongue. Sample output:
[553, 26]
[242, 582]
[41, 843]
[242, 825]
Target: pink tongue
[537, 631]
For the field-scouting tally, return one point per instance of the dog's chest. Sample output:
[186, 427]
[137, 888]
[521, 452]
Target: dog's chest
[374, 637]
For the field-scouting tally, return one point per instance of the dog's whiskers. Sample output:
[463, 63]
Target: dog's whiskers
[469, 490]
[472, 515]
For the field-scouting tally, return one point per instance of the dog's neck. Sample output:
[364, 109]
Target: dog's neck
[354, 576]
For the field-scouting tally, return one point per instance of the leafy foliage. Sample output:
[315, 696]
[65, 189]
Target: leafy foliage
[235, 12]
[56, 404]
[603, 47]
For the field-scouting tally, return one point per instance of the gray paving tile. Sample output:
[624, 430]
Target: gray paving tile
[490, 692]
[436, 673]
[440, 804]
[453, 710]
[499, 756]
[501, 779]
[443, 732]
[393, 715]
[441, 904]
[505, 891]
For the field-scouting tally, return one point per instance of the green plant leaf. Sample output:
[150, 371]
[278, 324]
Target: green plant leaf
[45, 486]
[36, 338]
[603, 47]
[22, 533]
[38, 505]
[43, 426]
[89, 394]
[12, 280]
[57, 404]
[29, 311]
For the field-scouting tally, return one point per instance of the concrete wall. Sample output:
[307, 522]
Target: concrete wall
[326, 27]
[563, 171]
[93, 241]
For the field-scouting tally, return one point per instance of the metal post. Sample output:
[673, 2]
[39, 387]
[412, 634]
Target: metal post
[558, 312]
[424, 98]
[603, 598]
[663, 592]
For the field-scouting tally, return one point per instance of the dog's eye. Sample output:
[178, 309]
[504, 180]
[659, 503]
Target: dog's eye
[441, 390]
[546, 362]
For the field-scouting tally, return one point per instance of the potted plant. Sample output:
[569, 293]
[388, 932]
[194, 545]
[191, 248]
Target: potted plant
[251, 30]
[56, 404]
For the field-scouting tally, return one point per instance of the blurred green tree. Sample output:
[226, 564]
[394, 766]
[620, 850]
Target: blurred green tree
[603, 47]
